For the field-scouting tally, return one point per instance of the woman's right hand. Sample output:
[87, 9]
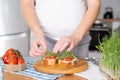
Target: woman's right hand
[38, 48]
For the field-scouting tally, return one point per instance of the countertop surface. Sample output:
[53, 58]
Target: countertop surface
[93, 73]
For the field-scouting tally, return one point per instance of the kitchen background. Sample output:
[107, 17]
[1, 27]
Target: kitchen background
[11, 21]
[114, 4]
[14, 32]
[102, 26]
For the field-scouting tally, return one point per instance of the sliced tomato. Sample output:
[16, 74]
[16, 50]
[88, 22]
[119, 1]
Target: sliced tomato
[47, 57]
[67, 59]
[53, 57]
[50, 57]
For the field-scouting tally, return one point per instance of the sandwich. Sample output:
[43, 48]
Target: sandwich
[67, 59]
[50, 58]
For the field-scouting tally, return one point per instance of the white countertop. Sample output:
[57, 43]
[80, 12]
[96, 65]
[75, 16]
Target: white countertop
[92, 73]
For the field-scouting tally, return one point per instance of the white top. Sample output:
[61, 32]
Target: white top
[60, 17]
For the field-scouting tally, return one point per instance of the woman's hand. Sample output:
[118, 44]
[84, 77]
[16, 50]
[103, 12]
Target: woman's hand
[28, 11]
[38, 48]
[66, 42]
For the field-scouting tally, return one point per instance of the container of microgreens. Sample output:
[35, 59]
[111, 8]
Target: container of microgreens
[110, 56]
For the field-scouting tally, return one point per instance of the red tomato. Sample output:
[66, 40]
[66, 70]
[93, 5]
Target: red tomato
[67, 59]
[9, 51]
[12, 60]
[20, 60]
[5, 59]
[50, 57]
[12, 55]
[46, 57]
[53, 57]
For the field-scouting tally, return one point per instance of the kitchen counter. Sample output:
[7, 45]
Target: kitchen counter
[92, 73]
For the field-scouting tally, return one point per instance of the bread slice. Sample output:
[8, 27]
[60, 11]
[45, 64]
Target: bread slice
[50, 58]
[67, 62]
[49, 61]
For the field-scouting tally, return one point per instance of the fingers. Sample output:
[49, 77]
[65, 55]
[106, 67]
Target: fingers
[37, 50]
[44, 47]
[70, 47]
[35, 46]
[35, 53]
[57, 47]
[63, 44]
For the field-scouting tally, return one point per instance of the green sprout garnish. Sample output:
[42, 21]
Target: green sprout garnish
[50, 53]
[66, 54]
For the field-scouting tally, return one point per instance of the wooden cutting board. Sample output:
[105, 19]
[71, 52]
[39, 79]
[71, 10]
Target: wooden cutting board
[80, 66]
[71, 77]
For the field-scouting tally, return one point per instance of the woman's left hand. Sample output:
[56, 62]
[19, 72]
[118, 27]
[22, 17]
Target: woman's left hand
[65, 43]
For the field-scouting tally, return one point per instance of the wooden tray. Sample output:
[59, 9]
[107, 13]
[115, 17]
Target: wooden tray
[71, 77]
[80, 66]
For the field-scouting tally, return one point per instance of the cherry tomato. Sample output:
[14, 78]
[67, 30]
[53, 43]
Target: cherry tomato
[21, 60]
[5, 59]
[12, 60]
[9, 51]
[13, 55]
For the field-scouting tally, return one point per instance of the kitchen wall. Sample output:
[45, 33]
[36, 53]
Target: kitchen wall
[115, 4]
